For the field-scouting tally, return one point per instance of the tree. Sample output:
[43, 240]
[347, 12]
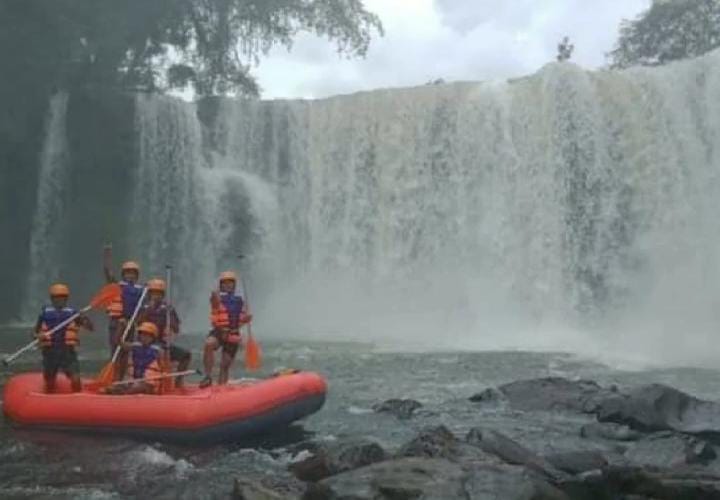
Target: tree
[565, 50]
[669, 30]
[162, 44]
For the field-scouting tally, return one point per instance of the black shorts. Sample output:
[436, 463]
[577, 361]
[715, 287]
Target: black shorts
[230, 348]
[60, 358]
[178, 353]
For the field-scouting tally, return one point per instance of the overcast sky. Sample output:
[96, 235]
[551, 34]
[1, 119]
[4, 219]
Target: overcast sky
[449, 39]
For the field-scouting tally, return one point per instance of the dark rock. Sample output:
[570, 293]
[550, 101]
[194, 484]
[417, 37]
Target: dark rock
[662, 485]
[506, 482]
[609, 431]
[668, 450]
[254, 490]
[577, 462]
[406, 478]
[433, 479]
[658, 407]
[334, 458]
[488, 396]
[439, 442]
[548, 394]
[512, 452]
[401, 408]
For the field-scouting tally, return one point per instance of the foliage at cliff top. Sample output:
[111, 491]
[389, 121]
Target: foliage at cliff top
[162, 44]
[669, 30]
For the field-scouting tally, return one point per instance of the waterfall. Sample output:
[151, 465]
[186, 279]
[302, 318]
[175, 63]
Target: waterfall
[53, 178]
[566, 209]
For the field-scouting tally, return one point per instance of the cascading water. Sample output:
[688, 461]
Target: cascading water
[48, 224]
[482, 214]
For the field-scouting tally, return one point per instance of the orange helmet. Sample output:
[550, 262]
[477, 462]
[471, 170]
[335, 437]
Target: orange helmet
[59, 290]
[130, 266]
[156, 285]
[228, 276]
[148, 328]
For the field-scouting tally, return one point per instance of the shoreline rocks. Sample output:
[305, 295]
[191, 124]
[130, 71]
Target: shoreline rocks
[650, 442]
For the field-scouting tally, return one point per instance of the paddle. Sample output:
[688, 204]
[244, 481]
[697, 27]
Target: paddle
[157, 377]
[107, 374]
[253, 354]
[167, 383]
[105, 296]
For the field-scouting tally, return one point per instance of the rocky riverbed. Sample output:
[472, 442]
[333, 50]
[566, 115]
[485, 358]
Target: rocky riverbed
[642, 442]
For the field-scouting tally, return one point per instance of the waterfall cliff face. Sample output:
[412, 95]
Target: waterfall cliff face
[485, 213]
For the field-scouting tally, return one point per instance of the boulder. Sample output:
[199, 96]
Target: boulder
[512, 452]
[433, 479]
[658, 407]
[336, 457]
[401, 408]
[669, 450]
[547, 394]
[439, 442]
[577, 462]
[609, 431]
[406, 478]
[245, 489]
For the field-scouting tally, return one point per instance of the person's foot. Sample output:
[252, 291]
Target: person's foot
[206, 382]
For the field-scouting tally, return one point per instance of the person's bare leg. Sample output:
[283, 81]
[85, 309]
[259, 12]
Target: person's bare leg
[76, 383]
[211, 345]
[225, 364]
[50, 383]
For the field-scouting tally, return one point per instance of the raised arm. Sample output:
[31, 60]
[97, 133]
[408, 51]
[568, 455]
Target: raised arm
[107, 263]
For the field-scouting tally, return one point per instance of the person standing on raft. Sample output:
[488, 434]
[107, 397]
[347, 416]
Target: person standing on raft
[157, 311]
[228, 312]
[58, 349]
[145, 362]
[121, 310]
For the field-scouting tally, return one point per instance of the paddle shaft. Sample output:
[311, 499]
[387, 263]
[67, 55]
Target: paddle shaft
[128, 327]
[158, 377]
[168, 326]
[9, 359]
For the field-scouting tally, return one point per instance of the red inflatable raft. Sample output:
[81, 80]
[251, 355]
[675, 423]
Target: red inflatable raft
[191, 415]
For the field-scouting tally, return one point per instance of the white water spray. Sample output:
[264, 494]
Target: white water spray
[48, 222]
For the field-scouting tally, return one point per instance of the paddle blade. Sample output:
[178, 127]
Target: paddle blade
[106, 295]
[253, 355]
[106, 376]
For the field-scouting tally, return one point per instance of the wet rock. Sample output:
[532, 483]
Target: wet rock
[433, 479]
[512, 452]
[489, 396]
[401, 408]
[577, 462]
[669, 450]
[245, 489]
[609, 431]
[658, 407]
[439, 442]
[660, 485]
[405, 478]
[340, 456]
[512, 483]
[548, 394]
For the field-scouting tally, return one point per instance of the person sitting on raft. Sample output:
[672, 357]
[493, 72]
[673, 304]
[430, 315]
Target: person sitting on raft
[120, 311]
[157, 311]
[58, 349]
[145, 358]
[227, 314]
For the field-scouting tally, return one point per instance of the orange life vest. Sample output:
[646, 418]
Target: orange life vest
[51, 317]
